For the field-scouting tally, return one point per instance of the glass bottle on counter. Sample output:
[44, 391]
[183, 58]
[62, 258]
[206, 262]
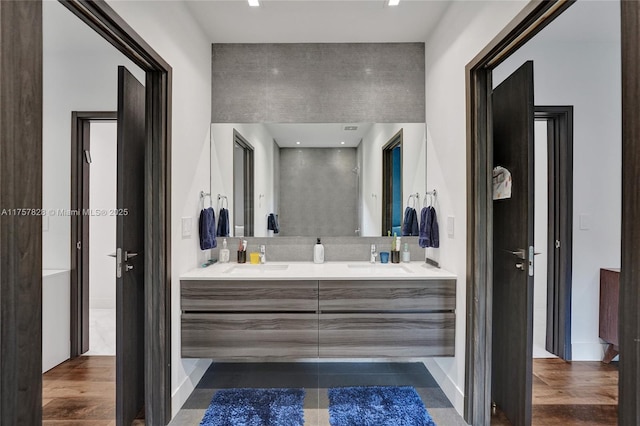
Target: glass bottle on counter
[406, 254]
[224, 252]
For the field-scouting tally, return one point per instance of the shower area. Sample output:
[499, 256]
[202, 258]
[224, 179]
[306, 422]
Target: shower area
[319, 192]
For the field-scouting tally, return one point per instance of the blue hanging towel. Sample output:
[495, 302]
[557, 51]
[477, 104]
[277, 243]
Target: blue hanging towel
[207, 228]
[272, 223]
[410, 224]
[434, 231]
[429, 231]
[423, 237]
[223, 223]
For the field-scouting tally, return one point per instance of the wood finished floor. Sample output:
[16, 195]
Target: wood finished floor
[572, 393]
[81, 391]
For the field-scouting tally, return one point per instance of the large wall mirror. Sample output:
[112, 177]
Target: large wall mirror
[315, 179]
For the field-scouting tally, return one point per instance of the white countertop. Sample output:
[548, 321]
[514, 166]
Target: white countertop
[324, 271]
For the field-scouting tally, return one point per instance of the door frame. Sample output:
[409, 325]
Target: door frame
[560, 226]
[535, 16]
[21, 187]
[387, 181]
[249, 183]
[479, 291]
[79, 278]
[21, 235]
[629, 318]
[99, 16]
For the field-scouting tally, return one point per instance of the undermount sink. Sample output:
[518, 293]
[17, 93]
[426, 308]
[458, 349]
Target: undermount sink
[247, 269]
[375, 268]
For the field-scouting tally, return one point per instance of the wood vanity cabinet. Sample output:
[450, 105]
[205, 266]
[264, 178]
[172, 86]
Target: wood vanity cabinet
[372, 319]
[305, 319]
[249, 319]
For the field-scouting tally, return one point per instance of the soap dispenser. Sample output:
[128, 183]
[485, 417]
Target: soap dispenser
[406, 254]
[318, 252]
[224, 252]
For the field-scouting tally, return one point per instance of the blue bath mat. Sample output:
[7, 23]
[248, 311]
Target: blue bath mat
[377, 406]
[255, 407]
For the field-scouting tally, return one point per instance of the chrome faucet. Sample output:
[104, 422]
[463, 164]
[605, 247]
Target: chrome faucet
[263, 253]
[374, 253]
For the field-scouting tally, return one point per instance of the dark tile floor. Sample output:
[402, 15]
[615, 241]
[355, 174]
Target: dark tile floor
[316, 378]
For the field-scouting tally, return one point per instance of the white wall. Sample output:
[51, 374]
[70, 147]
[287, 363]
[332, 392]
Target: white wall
[102, 229]
[264, 169]
[413, 169]
[73, 80]
[463, 32]
[172, 32]
[586, 73]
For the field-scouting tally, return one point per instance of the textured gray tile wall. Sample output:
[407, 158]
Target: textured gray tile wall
[300, 249]
[318, 83]
[318, 192]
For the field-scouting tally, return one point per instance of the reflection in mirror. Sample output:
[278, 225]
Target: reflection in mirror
[392, 186]
[320, 179]
[242, 186]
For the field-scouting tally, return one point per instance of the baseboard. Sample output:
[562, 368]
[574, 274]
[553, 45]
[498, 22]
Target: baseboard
[181, 394]
[587, 351]
[450, 389]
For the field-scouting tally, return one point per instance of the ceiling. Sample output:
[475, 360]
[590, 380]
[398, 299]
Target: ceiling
[585, 22]
[319, 21]
[318, 135]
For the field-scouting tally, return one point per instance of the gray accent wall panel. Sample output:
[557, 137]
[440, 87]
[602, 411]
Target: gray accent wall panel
[318, 192]
[318, 83]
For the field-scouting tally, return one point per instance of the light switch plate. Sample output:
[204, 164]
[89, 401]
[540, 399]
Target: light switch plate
[186, 227]
[450, 226]
[585, 222]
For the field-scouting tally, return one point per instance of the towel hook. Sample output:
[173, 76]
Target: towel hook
[431, 196]
[203, 195]
[221, 201]
[416, 200]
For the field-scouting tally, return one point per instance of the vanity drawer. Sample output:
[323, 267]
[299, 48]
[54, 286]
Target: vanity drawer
[399, 295]
[238, 336]
[387, 335]
[224, 296]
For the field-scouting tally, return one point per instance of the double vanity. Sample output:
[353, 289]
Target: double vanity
[293, 310]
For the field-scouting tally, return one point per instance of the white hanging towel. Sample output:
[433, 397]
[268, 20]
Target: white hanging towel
[501, 183]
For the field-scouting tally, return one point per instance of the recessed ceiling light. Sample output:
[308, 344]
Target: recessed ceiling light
[390, 3]
[256, 3]
[342, 143]
[298, 143]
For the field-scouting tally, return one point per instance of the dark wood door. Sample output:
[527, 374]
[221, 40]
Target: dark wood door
[130, 244]
[513, 118]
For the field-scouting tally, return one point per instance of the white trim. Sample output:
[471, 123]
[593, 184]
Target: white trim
[182, 393]
[450, 389]
[587, 351]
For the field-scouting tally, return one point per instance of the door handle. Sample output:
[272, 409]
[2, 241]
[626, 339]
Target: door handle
[519, 253]
[128, 255]
[121, 257]
[520, 266]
